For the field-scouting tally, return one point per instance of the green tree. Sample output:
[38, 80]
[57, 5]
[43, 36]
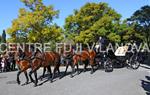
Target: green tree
[35, 23]
[3, 40]
[0, 38]
[140, 20]
[4, 36]
[91, 21]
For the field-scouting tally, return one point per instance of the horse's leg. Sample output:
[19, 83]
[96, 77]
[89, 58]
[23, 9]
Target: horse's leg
[92, 69]
[53, 75]
[30, 75]
[36, 79]
[77, 65]
[18, 74]
[58, 65]
[49, 70]
[27, 79]
[67, 65]
[85, 66]
[35, 74]
[56, 68]
[44, 70]
[72, 67]
[98, 64]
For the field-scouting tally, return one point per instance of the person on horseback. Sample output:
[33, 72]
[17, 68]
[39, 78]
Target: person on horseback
[35, 51]
[66, 55]
[21, 54]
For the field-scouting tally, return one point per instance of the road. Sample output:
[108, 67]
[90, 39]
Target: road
[121, 81]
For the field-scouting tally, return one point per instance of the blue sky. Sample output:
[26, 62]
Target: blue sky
[9, 8]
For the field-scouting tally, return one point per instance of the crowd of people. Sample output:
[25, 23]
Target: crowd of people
[7, 62]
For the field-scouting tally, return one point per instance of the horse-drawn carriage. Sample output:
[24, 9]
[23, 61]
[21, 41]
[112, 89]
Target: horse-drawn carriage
[121, 57]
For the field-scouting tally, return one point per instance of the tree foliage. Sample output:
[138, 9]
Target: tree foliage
[86, 25]
[3, 40]
[3, 37]
[91, 21]
[35, 23]
[140, 20]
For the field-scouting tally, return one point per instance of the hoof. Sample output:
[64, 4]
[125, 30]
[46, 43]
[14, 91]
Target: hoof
[35, 85]
[41, 79]
[51, 81]
[50, 76]
[25, 83]
[84, 70]
[71, 76]
[61, 77]
[92, 72]
[32, 81]
[19, 83]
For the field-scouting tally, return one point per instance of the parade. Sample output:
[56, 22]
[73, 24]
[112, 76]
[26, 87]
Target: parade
[91, 47]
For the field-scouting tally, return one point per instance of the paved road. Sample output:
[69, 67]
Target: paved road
[121, 81]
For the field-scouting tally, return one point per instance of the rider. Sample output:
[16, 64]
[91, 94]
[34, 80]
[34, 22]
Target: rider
[21, 54]
[34, 51]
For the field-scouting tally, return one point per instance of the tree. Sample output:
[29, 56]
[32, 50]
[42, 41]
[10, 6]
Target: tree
[91, 21]
[0, 38]
[141, 21]
[35, 24]
[4, 36]
[3, 40]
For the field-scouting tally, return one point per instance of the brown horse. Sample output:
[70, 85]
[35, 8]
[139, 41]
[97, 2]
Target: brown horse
[67, 57]
[23, 64]
[86, 57]
[45, 59]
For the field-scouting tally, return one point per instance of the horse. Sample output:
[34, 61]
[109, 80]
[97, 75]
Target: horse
[45, 59]
[23, 64]
[86, 56]
[67, 58]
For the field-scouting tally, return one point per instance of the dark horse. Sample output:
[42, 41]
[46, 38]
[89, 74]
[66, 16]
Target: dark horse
[67, 58]
[23, 64]
[86, 56]
[45, 59]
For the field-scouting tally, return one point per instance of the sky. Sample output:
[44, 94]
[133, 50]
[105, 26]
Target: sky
[9, 9]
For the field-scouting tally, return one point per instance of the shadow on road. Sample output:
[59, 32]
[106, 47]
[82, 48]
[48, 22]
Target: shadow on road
[146, 85]
[60, 76]
[145, 67]
[57, 77]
